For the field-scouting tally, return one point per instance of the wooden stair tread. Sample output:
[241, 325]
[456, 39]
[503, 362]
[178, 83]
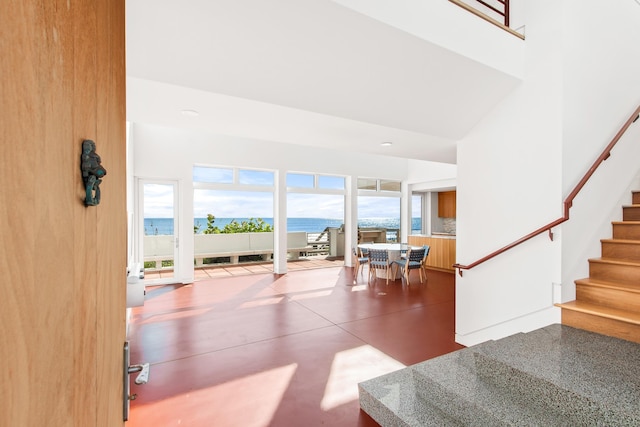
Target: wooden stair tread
[602, 311]
[625, 222]
[609, 285]
[614, 261]
[621, 241]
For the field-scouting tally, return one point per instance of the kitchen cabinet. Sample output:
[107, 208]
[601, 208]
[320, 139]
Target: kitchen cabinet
[447, 204]
[442, 253]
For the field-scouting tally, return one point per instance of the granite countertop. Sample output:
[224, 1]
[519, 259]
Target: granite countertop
[443, 235]
[438, 235]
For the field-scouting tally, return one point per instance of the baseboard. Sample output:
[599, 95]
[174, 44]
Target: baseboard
[526, 323]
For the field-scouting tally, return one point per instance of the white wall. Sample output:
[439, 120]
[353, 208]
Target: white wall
[169, 153]
[515, 167]
[602, 88]
[509, 182]
[431, 174]
[130, 198]
[449, 26]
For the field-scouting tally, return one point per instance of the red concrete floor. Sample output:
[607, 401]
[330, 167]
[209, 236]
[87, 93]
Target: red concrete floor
[281, 350]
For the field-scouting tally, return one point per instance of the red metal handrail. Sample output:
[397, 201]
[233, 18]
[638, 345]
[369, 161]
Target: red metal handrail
[567, 202]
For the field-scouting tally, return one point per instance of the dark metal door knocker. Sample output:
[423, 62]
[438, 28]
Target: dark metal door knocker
[92, 172]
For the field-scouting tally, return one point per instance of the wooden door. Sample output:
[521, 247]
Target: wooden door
[63, 265]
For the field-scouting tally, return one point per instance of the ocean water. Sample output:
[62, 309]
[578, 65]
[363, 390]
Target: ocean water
[154, 226]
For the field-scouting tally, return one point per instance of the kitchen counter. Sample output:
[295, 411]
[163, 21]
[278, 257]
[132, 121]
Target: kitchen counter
[442, 253]
[443, 235]
[436, 235]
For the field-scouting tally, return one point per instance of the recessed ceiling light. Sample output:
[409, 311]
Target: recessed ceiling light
[386, 144]
[191, 113]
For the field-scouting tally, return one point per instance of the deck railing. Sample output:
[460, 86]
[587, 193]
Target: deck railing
[567, 202]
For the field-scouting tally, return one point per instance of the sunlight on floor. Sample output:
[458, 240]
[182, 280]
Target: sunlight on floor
[251, 401]
[174, 315]
[261, 302]
[251, 286]
[310, 295]
[350, 367]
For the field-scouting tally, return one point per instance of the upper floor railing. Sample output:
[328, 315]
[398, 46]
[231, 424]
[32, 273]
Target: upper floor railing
[500, 7]
[567, 202]
[496, 12]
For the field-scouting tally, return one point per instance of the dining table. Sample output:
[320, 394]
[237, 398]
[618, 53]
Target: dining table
[394, 250]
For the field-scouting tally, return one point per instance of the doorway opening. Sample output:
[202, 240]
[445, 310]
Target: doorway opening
[158, 232]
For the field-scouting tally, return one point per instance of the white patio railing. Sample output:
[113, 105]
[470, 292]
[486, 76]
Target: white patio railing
[158, 249]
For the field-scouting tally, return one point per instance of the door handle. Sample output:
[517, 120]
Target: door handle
[142, 378]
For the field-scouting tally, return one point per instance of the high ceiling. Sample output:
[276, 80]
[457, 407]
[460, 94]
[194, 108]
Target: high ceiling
[305, 72]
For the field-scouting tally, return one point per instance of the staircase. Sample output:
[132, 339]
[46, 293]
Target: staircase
[608, 301]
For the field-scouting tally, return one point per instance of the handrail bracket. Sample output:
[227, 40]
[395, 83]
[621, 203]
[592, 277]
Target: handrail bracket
[551, 235]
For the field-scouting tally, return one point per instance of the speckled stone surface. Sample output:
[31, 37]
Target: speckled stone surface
[391, 401]
[556, 375]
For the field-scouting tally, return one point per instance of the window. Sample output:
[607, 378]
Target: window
[300, 180]
[379, 206]
[313, 213]
[253, 177]
[372, 184]
[315, 205]
[242, 177]
[386, 185]
[330, 182]
[416, 213]
[213, 175]
[227, 206]
[375, 212]
[367, 184]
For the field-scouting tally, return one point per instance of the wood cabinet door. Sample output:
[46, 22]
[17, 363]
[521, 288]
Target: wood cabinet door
[442, 253]
[62, 320]
[447, 204]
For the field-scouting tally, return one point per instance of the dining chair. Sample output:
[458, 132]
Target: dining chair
[360, 259]
[413, 261]
[404, 248]
[379, 260]
[424, 260]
